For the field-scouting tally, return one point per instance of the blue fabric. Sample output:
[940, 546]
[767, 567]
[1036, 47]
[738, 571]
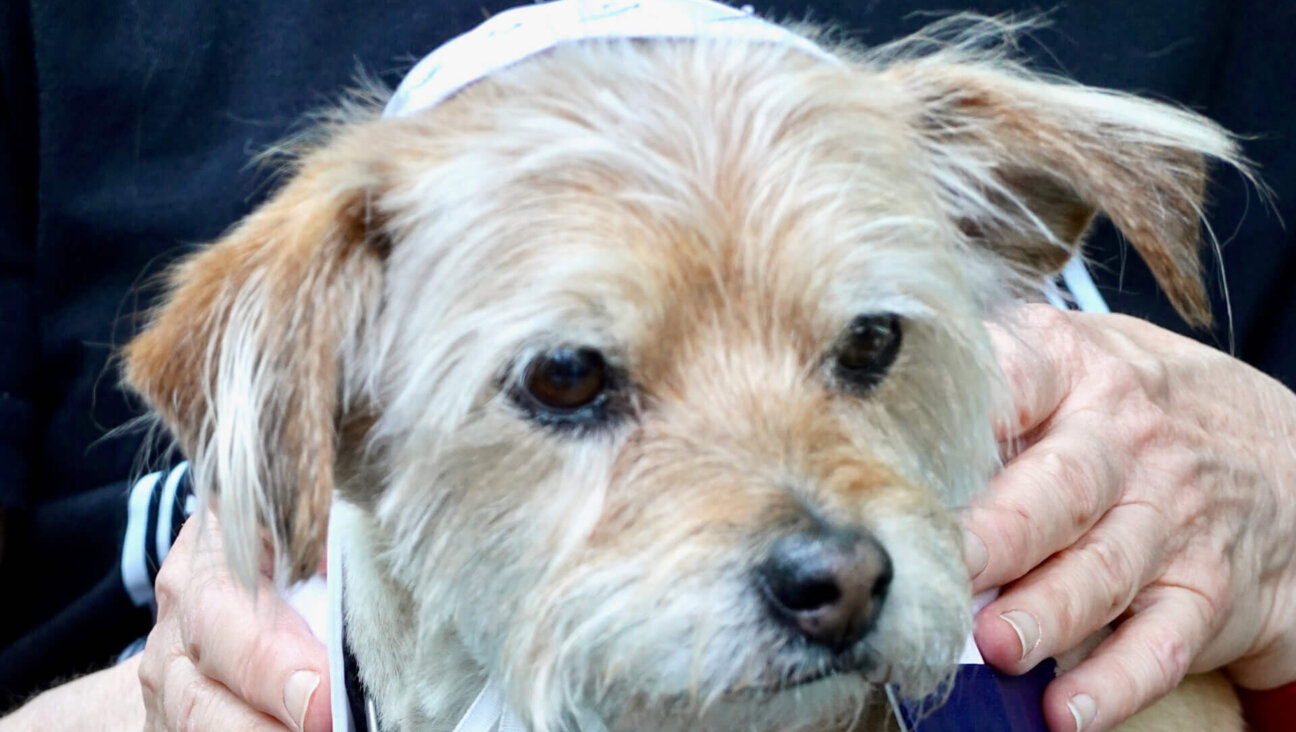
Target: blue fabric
[984, 700]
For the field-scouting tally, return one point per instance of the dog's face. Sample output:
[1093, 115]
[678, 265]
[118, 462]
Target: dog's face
[659, 366]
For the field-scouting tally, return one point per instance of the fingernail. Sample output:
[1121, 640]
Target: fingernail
[974, 553]
[1083, 710]
[1026, 628]
[297, 694]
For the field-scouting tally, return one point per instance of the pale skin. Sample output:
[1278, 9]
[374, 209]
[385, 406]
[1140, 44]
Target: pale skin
[219, 658]
[1153, 482]
[221, 655]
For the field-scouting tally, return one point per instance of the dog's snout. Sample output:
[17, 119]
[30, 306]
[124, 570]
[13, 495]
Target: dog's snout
[827, 584]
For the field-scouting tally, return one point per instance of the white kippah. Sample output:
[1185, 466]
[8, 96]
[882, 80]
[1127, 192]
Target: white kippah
[516, 34]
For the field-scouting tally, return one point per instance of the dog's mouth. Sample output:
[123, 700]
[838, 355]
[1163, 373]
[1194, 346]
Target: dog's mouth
[805, 679]
[863, 665]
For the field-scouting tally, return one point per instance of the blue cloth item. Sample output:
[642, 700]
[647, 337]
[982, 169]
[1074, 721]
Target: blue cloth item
[985, 700]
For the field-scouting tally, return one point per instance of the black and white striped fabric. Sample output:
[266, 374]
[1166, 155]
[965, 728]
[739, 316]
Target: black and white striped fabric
[158, 505]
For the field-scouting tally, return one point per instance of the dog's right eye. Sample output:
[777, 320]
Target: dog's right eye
[565, 386]
[566, 379]
[867, 349]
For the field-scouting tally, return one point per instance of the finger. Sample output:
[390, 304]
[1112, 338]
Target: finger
[178, 567]
[1036, 352]
[1145, 658]
[1077, 592]
[259, 648]
[1042, 502]
[162, 645]
[192, 701]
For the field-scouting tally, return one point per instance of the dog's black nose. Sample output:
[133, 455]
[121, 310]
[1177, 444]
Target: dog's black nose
[828, 584]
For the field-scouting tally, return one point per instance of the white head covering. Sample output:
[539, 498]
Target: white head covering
[526, 31]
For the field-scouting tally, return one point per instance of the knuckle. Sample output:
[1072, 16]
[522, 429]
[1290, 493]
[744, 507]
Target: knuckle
[193, 626]
[150, 685]
[1184, 475]
[1119, 377]
[1046, 317]
[166, 586]
[1171, 655]
[1078, 479]
[1084, 501]
[1154, 377]
[1114, 574]
[1013, 532]
[1055, 466]
[192, 709]
[1216, 599]
[153, 659]
[1143, 421]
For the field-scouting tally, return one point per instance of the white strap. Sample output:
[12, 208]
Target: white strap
[1075, 275]
[485, 711]
[510, 723]
[341, 710]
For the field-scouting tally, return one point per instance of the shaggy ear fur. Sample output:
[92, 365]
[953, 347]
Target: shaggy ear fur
[247, 359]
[1028, 164]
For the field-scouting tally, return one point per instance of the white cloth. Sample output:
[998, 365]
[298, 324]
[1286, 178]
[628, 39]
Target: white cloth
[521, 32]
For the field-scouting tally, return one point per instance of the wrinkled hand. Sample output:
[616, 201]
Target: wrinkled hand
[1154, 483]
[220, 658]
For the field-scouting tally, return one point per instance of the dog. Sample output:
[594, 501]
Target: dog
[642, 375]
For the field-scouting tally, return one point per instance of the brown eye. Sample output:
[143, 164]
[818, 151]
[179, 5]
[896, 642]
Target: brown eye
[867, 349]
[566, 379]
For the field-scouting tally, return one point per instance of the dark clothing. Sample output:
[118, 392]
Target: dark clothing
[126, 131]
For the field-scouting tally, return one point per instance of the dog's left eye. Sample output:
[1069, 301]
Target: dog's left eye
[566, 380]
[867, 349]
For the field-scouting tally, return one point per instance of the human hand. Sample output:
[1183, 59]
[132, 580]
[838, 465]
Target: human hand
[220, 658]
[1155, 484]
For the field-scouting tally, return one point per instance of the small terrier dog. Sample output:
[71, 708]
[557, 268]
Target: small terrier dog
[644, 374]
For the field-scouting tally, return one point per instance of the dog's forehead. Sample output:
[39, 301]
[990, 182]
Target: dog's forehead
[678, 180]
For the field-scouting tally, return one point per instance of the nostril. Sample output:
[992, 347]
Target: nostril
[807, 594]
[883, 582]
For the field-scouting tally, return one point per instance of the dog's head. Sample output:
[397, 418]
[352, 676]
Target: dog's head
[659, 365]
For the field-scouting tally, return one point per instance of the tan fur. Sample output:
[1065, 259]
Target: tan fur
[272, 303]
[710, 216]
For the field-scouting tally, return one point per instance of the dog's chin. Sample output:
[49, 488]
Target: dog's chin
[821, 701]
[809, 682]
[855, 666]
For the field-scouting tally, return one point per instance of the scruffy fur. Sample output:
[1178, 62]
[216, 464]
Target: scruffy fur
[710, 215]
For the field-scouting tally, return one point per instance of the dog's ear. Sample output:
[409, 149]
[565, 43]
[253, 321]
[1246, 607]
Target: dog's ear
[1026, 164]
[247, 360]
